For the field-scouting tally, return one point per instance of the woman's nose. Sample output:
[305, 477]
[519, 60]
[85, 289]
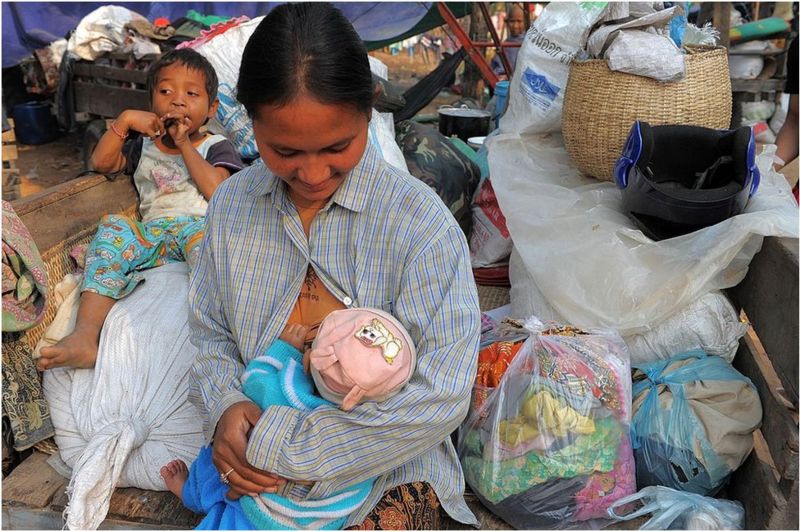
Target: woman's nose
[313, 171]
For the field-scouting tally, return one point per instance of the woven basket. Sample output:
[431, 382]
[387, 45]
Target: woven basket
[601, 105]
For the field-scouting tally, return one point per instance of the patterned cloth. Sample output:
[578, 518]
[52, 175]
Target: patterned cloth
[24, 275]
[412, 506]
[435, 160]
[24, 402]
[385, 241]
[122, 247]
[588, 454]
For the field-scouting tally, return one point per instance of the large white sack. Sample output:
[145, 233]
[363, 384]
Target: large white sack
[590, 261]
[536, 93]
[710, 323]
[118, 423]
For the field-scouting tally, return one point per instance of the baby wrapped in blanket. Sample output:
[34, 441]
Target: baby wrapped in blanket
[358, 355]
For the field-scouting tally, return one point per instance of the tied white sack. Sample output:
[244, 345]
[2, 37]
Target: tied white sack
[591, 263]
[118, 423]
[710, 323]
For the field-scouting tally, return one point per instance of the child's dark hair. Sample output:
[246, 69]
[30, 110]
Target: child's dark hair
[305, 47]
[191, 60]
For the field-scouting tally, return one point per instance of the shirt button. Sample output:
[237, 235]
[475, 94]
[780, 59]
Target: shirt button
[347, 301]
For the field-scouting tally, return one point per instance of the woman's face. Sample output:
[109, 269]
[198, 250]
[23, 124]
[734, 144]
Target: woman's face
[310, 145]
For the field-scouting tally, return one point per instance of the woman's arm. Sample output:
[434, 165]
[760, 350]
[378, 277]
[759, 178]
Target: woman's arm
[787, 136]
[438, 304]
[228, 414]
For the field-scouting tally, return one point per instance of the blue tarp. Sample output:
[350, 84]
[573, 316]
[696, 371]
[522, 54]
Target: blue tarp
[28, 26]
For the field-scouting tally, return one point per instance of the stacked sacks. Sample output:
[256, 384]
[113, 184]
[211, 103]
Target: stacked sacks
[693, 422]
[550, 446]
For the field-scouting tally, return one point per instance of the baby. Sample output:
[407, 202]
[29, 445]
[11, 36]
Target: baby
[358, 355]
[176, 167]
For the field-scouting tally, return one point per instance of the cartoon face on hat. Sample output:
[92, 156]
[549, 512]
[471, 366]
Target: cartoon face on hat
[361, 354]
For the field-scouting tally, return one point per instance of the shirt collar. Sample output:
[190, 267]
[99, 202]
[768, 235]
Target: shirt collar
[352, 194]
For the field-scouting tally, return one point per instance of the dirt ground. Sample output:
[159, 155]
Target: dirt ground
[47, 165]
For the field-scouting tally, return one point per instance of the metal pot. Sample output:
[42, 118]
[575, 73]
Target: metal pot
[463, 122]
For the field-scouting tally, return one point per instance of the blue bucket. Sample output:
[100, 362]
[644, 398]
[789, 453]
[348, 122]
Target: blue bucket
[501, 91]
[34, 123]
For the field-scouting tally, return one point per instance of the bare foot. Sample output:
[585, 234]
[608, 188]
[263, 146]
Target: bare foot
[295, 335]
[175, 474]
[76, 350]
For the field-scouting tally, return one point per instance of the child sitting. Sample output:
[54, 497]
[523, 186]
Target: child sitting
[176, 168]
[357, 355]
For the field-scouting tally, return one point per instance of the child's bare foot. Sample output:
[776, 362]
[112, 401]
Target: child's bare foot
[175, 474]
[295, 335]
[77, 350]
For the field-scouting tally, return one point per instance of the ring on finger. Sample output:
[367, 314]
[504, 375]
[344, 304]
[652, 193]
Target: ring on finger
[224, 476]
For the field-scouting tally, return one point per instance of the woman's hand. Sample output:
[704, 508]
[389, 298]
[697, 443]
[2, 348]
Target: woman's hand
[230, 445]
[144, 122]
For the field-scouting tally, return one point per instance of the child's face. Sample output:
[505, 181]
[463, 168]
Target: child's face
[310, 145]
[180, 90]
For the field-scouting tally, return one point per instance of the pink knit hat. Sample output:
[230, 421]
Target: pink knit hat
[361, 353]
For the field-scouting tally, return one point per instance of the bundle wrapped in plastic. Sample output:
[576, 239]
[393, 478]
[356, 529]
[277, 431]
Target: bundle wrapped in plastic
[693, 422]
[549, 446]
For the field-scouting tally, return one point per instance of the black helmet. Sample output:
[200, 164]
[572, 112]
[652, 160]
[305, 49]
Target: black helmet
[678, 179]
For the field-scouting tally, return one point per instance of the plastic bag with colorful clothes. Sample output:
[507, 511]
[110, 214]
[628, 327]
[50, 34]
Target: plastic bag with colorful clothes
[549, 445]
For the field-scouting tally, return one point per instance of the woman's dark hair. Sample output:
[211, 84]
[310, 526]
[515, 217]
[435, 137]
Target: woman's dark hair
[191, 60]
[304, 47]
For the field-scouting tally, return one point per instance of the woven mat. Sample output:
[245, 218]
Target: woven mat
[493, 296]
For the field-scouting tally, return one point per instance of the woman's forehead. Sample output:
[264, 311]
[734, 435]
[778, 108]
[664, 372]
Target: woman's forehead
[306, 121]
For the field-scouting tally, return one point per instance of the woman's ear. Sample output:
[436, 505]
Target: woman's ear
[377, 89]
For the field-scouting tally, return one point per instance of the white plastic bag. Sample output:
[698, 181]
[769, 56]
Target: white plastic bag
[536, 94]
[591, 263]
[118, 423]
[710, 323]
[680, 510]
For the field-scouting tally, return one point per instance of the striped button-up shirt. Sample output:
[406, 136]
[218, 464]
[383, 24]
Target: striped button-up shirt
[384, 240]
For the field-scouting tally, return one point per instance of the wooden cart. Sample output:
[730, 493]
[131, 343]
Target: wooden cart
[104, 88]
[34, 494]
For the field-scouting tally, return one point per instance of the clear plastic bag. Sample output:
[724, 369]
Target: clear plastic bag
[591, 264]
[549, 447]
[679, 510]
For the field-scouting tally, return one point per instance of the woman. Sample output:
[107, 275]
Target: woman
[319, 224]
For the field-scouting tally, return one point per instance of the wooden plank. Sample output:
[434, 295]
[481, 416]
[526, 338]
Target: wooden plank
[10, 152]
[33, 483]
[9, 136]
[62, 211]
[94, 71]
[133, 505]
[769, 296]
[779, 421]
[108, 101]
[757, 85]
[765, 505]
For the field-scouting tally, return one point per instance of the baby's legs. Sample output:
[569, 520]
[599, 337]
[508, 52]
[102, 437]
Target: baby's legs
[175, 474]
[120, 247]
